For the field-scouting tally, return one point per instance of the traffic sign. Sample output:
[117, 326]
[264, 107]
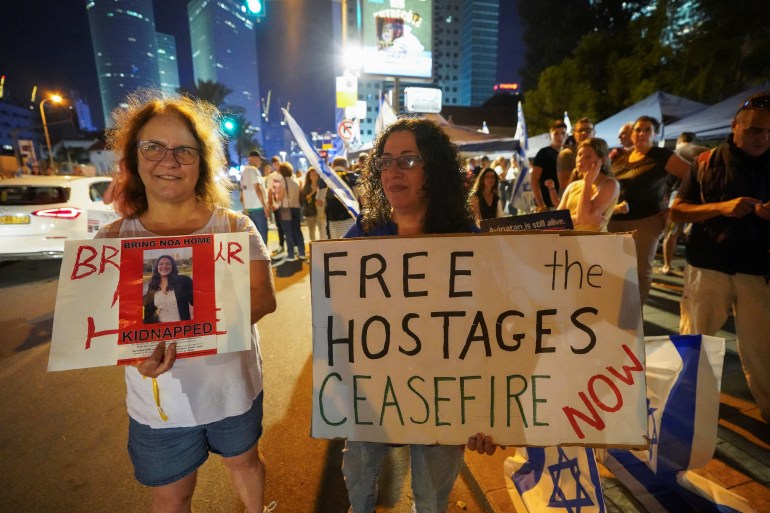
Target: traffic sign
[345, 129]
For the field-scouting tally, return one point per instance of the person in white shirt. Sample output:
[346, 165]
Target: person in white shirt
[169, 151]
[253, 197]
[272, 204]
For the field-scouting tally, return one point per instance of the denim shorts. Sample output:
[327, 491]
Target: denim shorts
[162, 456]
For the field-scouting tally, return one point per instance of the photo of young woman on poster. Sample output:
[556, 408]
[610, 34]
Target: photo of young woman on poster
[169, 296]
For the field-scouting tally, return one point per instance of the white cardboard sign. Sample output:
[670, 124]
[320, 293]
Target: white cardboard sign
[100, 309]
[533, 338]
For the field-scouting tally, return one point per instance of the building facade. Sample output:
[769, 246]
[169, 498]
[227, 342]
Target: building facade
[464, 58]
[168, 66]
[125, 48]
[478, 51]
[224, 50]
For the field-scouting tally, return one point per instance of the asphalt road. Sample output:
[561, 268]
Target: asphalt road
[63, 434]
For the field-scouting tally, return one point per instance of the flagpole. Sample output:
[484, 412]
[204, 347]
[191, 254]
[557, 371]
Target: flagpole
[395, 104]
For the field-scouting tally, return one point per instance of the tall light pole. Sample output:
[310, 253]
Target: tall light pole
[56, 99]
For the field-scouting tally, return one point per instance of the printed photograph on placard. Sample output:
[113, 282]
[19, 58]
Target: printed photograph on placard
[167, 286]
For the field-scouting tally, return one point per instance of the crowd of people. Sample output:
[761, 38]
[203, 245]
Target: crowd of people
[413, 181]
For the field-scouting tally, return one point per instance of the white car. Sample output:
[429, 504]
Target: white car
[39, 213]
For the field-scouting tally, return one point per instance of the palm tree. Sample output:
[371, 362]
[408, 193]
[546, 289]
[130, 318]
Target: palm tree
[244, 137]
[209, 90]
[216, 93]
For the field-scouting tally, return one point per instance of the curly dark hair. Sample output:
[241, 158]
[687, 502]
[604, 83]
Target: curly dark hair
[446, 192]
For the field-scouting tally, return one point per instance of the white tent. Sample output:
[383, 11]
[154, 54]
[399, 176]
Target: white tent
[468, 140]
[664, 107]
[714, 121]
[536, 143]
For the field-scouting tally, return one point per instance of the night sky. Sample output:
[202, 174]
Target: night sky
[48, 43]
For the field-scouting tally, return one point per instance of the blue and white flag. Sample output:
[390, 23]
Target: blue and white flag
[335, 183]
[683, 380]
[567, 122]
[386, 115]
[554, 479]
[522, 197]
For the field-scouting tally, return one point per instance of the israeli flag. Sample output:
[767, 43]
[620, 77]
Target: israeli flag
[554, 479]
[522, 197]
[683, 380]
[385, 116]
[335, 183]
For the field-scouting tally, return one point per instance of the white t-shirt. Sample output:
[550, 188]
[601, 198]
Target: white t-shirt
[250, 178]
[202, 389]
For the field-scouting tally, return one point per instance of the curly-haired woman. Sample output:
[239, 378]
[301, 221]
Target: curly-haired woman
[412, 184]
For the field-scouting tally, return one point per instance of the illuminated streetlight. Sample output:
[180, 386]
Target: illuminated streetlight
[56, 99]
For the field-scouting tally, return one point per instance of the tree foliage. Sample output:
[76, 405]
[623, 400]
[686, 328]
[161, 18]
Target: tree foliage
[629, 50]
[209, 90]
[217, 93]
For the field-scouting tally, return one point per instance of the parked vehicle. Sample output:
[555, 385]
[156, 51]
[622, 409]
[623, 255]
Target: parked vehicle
[39, 213]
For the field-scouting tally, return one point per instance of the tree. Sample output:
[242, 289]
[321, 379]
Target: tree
[244, 138]
[706, 50]
[209, 90]
[729, 51]
[552, 29]
[216, 93]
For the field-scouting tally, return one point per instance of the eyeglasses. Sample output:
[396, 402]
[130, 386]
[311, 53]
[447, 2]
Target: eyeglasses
[404, 162]
[757, 102]
[585, 130]
[184, 155]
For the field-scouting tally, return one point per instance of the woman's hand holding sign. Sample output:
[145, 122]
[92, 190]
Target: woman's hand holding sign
[160, 361]
[482, 444]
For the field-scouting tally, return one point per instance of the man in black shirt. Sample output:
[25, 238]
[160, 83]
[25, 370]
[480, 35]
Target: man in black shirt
[544, 167]
[726, 196]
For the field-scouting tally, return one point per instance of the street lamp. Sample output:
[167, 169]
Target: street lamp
[56, 99]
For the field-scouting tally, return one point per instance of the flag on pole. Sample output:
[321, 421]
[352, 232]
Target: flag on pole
[555, 479]
[683, 380]
[335, 183]
[385, 117]
[522, 197]
[521, 130]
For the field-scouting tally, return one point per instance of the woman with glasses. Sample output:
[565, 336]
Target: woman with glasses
[413, 184]
[645, 175]
[169, 152]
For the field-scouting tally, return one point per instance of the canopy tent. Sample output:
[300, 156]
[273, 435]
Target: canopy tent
[714, 121]
[468, 140]
[664, 107]
[536, 143]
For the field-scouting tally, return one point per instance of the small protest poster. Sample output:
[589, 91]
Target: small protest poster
[551, 220]
[118, 298]
[533, 338]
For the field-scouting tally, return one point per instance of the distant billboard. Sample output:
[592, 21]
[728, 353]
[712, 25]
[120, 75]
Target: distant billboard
[422, 99]
[398, 38]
